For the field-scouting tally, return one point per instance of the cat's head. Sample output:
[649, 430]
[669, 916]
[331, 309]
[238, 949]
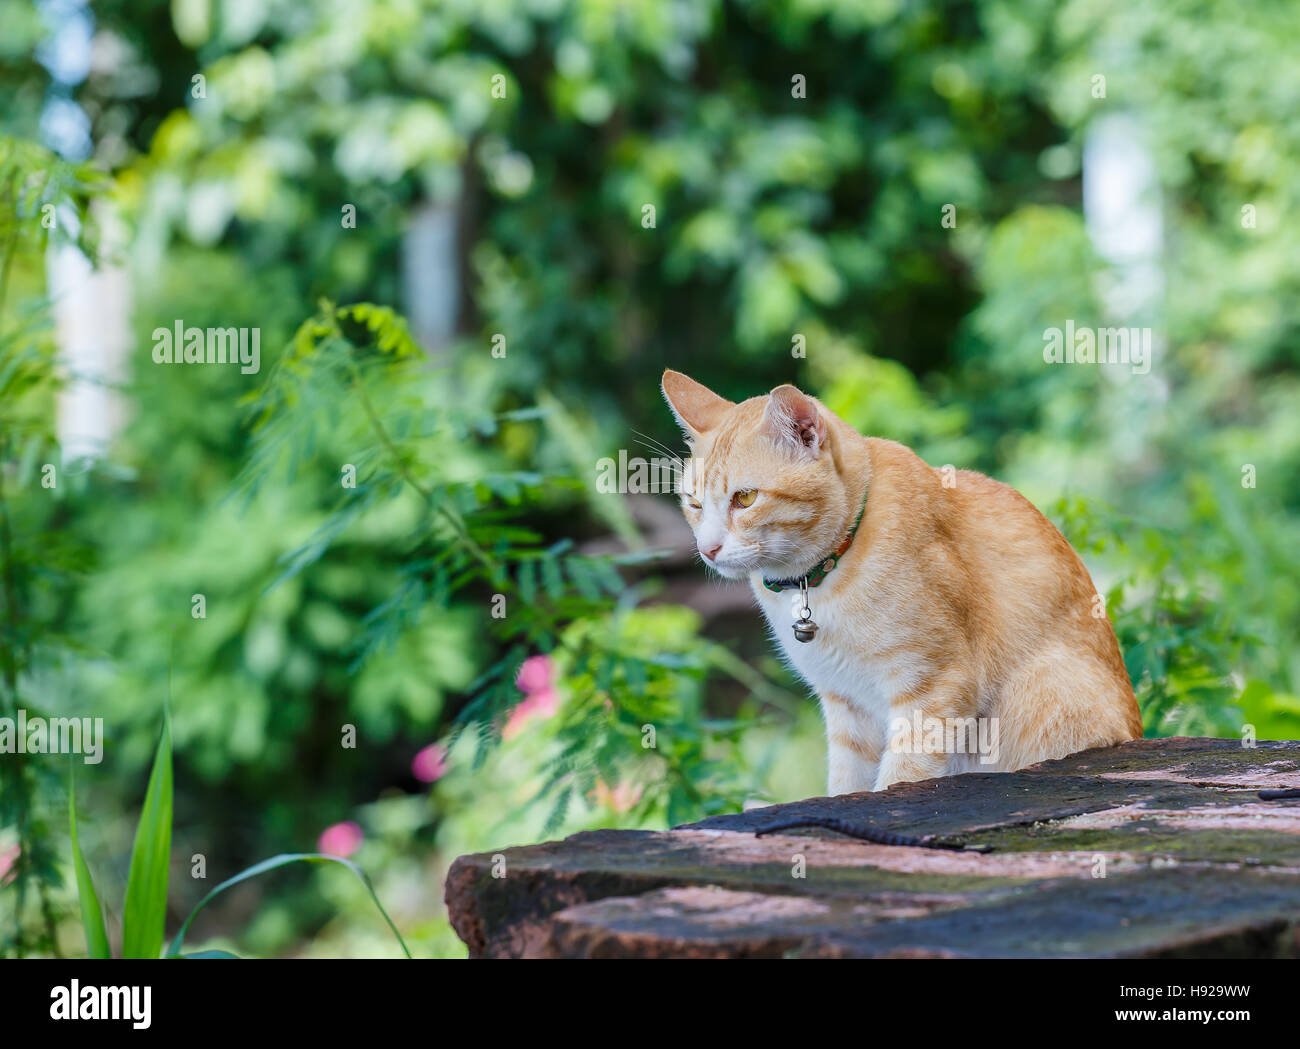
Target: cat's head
[762, 490]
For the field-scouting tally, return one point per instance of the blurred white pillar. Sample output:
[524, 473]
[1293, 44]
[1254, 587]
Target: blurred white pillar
[431, 274]
[1123, 213]
[1122, 209]
[92, 311]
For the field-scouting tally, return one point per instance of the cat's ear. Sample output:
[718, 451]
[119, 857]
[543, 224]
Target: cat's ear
[697, 407]
[793, 418]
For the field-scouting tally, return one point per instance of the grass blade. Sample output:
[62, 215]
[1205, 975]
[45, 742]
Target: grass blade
[92, 918]
[145, 909]
[273, 863]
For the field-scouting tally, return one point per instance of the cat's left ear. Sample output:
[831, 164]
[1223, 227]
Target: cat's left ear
[697, 408]
[793, 418]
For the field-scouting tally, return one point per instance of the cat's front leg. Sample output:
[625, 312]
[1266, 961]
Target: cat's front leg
[919, 733]
[852, 747]
[847, 772]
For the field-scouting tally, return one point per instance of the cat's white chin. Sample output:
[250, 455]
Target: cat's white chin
[732, 571]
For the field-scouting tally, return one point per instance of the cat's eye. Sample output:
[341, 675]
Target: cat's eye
[693, 503]
[746, 496]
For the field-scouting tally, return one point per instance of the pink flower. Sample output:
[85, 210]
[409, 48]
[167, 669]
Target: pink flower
[341, 839]
[430, 764]
[535, 675]
[8, 857]
[537, 705]
[620, 799]
[536, 681]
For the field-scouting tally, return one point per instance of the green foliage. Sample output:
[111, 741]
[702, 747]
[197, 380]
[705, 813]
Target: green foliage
[274, 863]
[471, 545]
[636, 717]
[44, 203]
[1272, 714]
[1182, 645]
[92, 918]
[145, 909]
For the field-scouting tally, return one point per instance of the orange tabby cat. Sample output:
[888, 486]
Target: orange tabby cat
[953, 630]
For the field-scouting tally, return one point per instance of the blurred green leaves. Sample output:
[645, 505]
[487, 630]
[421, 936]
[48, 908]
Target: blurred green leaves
[145, 908]
[144, 911]
[92, 917]
[274, 863]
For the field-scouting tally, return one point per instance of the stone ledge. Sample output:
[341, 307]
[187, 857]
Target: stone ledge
[1194, 864]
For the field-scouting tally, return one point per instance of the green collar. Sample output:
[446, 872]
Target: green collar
[815, 577]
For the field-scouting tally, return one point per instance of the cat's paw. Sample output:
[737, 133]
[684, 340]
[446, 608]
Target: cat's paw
[907, 768]
[850, 777]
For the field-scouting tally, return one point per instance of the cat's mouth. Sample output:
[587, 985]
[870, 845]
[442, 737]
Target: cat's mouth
[734, 563]
[744, 563]
[741, 564]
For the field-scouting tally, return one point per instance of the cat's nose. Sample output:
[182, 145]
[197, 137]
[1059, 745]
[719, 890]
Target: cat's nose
[710, 552]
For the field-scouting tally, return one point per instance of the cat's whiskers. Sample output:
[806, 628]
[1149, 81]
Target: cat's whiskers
[676, 463]
[672, 464]
[646, 441]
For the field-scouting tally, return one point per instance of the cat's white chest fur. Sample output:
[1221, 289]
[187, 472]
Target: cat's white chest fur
[861, 665]
[849, 656]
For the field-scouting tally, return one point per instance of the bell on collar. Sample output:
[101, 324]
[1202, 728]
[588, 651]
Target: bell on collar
[804, 627]
[805, 630]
